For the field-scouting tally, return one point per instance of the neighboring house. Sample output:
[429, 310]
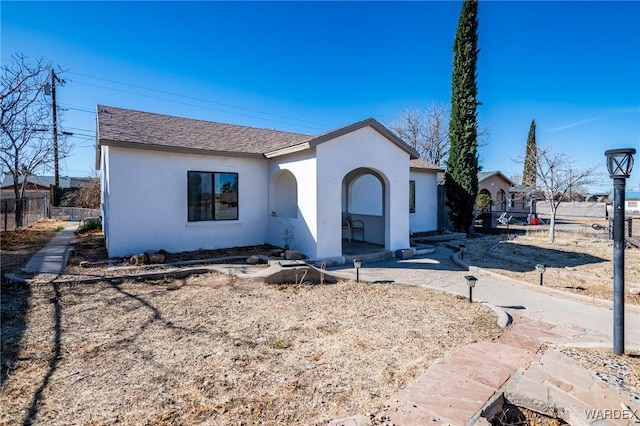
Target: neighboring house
[35, 186]
[632, 202]
[182, 184]
[505, 195]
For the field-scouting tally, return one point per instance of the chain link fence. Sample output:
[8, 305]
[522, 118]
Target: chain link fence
[30, 210]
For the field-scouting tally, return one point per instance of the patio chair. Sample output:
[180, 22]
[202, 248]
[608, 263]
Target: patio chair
[504, 220]
[351, 225]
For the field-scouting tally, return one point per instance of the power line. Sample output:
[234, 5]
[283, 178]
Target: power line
[197, 99]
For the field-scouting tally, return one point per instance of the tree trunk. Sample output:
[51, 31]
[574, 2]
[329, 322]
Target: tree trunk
[552, 226]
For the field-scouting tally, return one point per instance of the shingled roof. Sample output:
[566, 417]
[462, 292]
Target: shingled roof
[129, 128]
[137, 129]
[420, 164]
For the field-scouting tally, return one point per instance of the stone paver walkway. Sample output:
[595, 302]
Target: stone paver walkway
[461, 388]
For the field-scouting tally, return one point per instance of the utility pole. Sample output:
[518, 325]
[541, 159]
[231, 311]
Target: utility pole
[56, 172]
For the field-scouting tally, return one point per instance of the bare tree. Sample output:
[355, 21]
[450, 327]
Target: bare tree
[25, 141]
[87, 196]
[428, 131]
[555, 176]
[425, 130]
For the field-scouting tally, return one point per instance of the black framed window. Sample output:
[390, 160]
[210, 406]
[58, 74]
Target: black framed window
[212, 196]
[412, 196]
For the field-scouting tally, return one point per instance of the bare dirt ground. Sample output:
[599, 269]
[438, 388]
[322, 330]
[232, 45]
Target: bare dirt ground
[579, 261]
[17, 247]
[217, 350]
[212, 349]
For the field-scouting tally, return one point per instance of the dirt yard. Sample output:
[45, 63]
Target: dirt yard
[17, 247]
[579, 261]
[212, 349]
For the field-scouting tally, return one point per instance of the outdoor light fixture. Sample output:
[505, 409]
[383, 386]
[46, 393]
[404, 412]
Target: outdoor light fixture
[619, 164]
[471, 282]
[541, 268]
[357, 263]
[461, 251]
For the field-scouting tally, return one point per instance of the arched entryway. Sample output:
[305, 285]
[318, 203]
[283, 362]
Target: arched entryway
[364, 210]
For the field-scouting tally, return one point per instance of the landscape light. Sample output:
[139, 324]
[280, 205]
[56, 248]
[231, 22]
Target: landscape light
[471, 283]
[541, 268]
[357, 263]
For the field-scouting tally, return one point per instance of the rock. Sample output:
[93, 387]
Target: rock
[293, 255]
[138, 259]
[404, 254]
[276, 252]
[253, 260]
[157, 258]
[634, 290]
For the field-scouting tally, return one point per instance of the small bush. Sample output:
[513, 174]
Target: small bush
[282, 344]
[90, 226]
[59, 228]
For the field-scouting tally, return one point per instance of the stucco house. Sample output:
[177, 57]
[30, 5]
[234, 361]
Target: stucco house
[516, 200]
[183, 184]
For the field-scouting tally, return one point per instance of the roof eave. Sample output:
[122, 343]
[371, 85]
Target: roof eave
[177, 149]
[288, 150]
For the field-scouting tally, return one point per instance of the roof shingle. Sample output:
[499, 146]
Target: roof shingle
[124, 126]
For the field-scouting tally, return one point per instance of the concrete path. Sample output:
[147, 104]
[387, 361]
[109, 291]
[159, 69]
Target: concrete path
[438, 271]
[467, 386]
[52, 258]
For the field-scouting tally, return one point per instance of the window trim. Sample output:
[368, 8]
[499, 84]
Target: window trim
[213, 198]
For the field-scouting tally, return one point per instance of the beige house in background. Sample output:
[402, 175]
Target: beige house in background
[505, 195]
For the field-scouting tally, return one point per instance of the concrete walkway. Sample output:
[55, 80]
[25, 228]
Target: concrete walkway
[52, 258]
[467, 386]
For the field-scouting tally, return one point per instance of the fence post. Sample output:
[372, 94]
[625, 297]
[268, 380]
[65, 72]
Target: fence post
[6, 213]
[630, 227]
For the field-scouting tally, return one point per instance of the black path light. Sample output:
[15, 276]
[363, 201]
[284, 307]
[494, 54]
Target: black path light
[541, 268]
[357, 264]
[471, 282]
[619, 164]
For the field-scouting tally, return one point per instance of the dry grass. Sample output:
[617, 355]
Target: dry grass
[217, 350]
[16, 247]
[579, 261]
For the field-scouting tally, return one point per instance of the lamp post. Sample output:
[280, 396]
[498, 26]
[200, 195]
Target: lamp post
[357, 264]
[619, 164]
[471, 282]
[462, 247]
[541, 268]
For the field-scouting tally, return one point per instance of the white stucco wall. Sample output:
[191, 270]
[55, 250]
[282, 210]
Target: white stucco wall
[426, 216]
[364, 148]
[303, 167]
[147, 202]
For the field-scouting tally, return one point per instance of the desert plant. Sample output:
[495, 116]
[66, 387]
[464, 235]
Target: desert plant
[59, 228]
[282, 344]
[288, 233]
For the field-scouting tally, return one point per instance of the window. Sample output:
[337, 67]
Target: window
[412, 196]
[212, 196]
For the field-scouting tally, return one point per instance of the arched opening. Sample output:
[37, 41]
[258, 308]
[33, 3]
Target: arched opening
[285, 195]
[364, 210]
[484, 201]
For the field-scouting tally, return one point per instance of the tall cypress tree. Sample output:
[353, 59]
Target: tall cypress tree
[530, 158]
[461, 177]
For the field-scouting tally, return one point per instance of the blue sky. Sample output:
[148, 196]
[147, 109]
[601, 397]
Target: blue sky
[310, 67]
